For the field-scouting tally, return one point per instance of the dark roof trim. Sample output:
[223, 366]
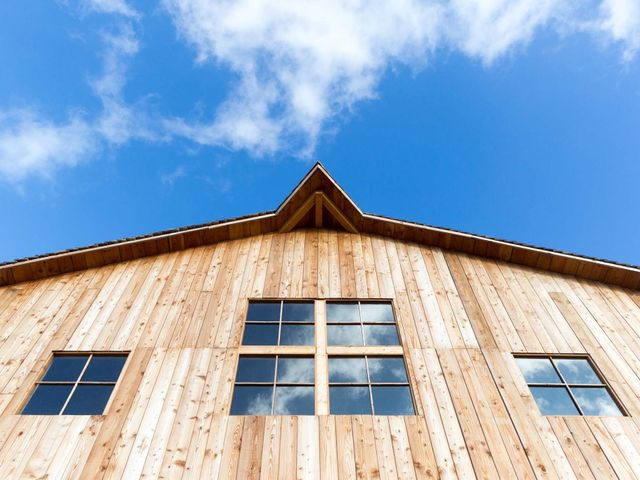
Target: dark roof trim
[317, 179]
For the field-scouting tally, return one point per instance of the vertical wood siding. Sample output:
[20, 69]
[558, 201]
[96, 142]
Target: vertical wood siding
[181, 316]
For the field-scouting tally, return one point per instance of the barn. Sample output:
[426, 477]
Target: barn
[316, 341]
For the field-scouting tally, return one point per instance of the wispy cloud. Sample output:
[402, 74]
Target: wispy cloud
[301, 67]
[120, 7]
[620, 21]
[34, 146]
[30, 145]
[171, 177]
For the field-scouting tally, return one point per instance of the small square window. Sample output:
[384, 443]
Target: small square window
[264, 312]
[577, 371]
[342, 312]
[297, 334]
[346, 400]
[344, 335]
[88, 400]
[251, 400]
[76, 384]
[596, 401]
[256, 334]
[294, 401]
[567, 386]
[298, 312]
[392, 400]
[554, 401]
[538, 370]
[381, 335]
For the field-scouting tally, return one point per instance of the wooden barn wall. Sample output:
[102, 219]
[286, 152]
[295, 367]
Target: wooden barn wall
[181, 316]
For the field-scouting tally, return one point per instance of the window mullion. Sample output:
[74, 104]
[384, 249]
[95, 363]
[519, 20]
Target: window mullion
[366, 363]
[75, 385]
[275, 382]
[321, 359]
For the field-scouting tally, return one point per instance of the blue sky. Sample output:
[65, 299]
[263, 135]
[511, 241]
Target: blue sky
[518, 120]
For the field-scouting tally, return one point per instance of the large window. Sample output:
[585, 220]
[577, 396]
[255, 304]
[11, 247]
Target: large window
[321, 357]
[76, 384]
[563, 385]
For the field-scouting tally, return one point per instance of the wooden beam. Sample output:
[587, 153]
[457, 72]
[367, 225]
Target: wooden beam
[340, 217]
[298, 215]
[366, 350]
[319, 196]
[277, 350]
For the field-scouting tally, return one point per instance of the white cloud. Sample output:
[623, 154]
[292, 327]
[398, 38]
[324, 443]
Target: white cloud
[171, 177]
[120, 7]
[301, 65]
[32, 146]
[487, 29]
[620, 20]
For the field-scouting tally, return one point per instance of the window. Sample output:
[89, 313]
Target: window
[369, 385]
[279, 323]
[361, 323]
[274, 385]
[353, 365]
[76, 384]
[564, 385]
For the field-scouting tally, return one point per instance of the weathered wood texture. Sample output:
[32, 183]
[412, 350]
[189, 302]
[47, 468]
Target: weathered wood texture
[181, 315]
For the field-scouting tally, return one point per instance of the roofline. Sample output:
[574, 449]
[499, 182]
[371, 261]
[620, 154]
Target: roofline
[81, 258]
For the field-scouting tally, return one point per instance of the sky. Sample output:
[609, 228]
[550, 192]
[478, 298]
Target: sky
[512, 119]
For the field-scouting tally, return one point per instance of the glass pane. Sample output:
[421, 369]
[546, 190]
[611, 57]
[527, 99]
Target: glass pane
[554, 401]
[295, 370]
[381, 335]
[104, 368]
[347, 370]
[260, 334]
[47, 400]
[344, 335]
[377, 312]
[264, 312]
[65, 368]
[392, 401]
[251, 400]
[296, 334]
[596, 401]
[538, 370]
[343, 312]
[297, 312]
[256, 369]
[88, 400]
[294, 401]
[349, 400]
[577, 370]
[387, 370]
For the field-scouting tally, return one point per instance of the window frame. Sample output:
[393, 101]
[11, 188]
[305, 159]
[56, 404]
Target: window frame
[76, 353]
[370, 384]
[569, 386]
[279, 323]
[361, 323]
[275, 383]
[320, 350]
